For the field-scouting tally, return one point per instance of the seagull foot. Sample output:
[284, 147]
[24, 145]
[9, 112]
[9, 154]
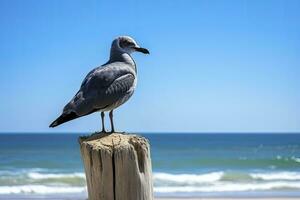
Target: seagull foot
[123, 132]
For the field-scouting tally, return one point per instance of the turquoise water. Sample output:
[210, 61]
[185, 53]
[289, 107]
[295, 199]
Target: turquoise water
[183, 164]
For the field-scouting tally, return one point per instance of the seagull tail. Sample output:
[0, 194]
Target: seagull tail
[63, 118]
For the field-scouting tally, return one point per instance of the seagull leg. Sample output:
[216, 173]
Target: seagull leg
[102, 119]
[112, 121]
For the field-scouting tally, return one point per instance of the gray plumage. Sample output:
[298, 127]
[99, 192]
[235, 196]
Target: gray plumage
[106, 87]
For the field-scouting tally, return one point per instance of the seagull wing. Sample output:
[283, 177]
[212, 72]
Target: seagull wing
[101, 88]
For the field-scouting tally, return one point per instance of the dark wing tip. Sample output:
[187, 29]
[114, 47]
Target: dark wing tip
[64, 118]
[53, 124]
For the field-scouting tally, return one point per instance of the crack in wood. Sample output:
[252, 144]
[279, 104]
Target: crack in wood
[117, 166]
[114, 168]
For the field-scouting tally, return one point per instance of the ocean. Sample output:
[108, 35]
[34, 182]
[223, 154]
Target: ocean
[184, 165]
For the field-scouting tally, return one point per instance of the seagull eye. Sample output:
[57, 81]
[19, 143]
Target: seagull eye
[126, 43]
[130, 43]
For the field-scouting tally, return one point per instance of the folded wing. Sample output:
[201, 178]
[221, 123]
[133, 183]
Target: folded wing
[102, 87]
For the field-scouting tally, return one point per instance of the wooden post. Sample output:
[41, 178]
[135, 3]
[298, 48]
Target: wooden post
[117, 167]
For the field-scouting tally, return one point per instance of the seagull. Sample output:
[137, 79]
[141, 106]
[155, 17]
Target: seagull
[106, 87]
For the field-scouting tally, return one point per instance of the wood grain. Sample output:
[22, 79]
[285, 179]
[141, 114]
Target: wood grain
[117, 167]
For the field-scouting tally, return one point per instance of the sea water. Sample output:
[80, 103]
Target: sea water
[184, 164]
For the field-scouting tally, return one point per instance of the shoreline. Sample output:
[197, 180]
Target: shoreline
[226, 198]
[84, 197]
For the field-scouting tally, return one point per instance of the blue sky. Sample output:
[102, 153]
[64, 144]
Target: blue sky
[215, 66]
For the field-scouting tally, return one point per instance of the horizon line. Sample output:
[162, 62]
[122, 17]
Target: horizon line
[156, 132]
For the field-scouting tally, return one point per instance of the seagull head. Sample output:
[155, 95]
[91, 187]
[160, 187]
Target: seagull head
[127, 45]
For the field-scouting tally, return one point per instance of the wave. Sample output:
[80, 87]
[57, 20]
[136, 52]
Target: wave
[40, 189]
[276, 176]
[21, 171]
[187, 178]
[168, 178]
[218, 187]
[229, 187]
[29, 177]
[36, 175]
[165, 179]
[295, 159]
[217, 181]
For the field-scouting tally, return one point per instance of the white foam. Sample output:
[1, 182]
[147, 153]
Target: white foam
[228, 187]
[168, 183]
[218, 187]
[20, 172]
[166, 179]
[36, 175]
[187, 178]
[276, 176]
[296, 159]
[40, 189]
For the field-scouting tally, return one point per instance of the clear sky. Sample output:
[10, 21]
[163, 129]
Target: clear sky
[215, 66]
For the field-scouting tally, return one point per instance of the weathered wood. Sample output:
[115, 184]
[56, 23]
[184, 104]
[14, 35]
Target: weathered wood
[117, 167]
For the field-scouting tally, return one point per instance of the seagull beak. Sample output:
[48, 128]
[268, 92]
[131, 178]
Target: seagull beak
[143, 50]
